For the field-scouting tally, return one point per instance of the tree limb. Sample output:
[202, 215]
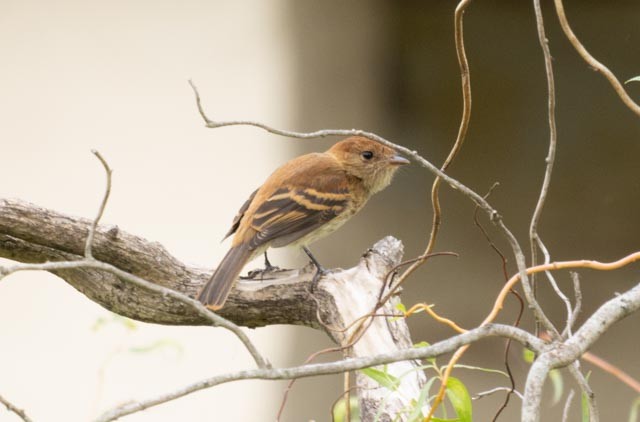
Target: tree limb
[32, 234]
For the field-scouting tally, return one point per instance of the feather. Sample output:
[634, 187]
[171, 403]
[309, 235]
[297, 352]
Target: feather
[215, 292]
[238, 218]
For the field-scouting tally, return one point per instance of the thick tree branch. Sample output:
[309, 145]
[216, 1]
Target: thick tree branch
[32, 234]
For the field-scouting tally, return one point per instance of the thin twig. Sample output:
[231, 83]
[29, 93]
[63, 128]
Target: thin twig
[612, 370]
[454, 183]
[567, 406]
[338, 367]
[347, 391]
[103, 204]
[591, 61]
[341, 397]
[534, 238]
[457, 146]
[465, 76]
[12, 408]
[577, 294]
[516, 323]
[215, 319]
[308, 360]
[583, 383]
[556, 288]
[488, 393]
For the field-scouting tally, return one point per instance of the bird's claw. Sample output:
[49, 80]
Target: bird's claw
[263, 273]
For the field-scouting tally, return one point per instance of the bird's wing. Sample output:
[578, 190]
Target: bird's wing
[238, 218]
[292, 212]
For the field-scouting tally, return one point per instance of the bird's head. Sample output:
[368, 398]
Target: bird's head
[370, 161]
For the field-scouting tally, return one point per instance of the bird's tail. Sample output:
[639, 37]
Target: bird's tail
[215, 292]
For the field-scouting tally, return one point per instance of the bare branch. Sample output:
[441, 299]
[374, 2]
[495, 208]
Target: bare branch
[554, 285]
[437, 349]
[577, 294]
[465, 76]
[611, 369]
[508, 390]
[214, 319]
[12, 408]
[581, 380]
[103, 204]
[563, 354]
[591, 61]
[534, 238]
[567, 406]
[454, 183]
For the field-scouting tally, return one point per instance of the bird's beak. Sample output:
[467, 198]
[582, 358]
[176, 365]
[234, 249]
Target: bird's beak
[398, 160]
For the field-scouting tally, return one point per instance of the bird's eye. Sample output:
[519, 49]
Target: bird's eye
[367, 155]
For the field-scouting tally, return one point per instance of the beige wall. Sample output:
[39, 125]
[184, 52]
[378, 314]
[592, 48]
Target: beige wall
[78, 75]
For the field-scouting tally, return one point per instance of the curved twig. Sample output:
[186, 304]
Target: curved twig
[534, 238]
[103, 204]
[591, 61]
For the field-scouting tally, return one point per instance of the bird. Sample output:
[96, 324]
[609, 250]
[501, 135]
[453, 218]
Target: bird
[302, 201]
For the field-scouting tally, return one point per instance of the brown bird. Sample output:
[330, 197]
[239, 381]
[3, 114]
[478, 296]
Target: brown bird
[302, 201]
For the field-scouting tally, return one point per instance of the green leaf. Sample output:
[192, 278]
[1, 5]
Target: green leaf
[459, 399]
[586, 416]
[434, 419]
[635, 410]
[528, 355]
[416, 414]
[558, 385]
[383, 378]
[487, 370]
[400, 306]
[585, 408]
[636, 79]
[421, 344]
[340, 411]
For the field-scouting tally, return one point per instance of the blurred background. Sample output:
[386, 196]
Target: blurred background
[78, 75]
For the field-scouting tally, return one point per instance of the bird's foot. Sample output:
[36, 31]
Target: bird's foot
[320, 270]
[263, 273]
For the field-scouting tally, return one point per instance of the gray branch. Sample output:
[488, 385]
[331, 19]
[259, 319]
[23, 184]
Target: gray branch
[446, 346]
[561, 354]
